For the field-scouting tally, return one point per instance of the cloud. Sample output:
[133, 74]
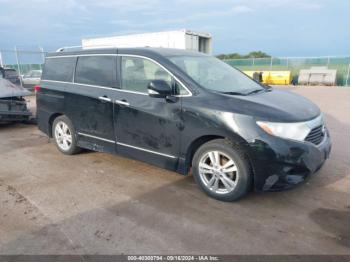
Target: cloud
[240, 9]
[291, 4]
[53, 23]
[123, 22]
[124, 6]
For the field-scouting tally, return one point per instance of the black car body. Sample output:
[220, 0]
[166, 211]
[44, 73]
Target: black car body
[169, 130]
[13, 106]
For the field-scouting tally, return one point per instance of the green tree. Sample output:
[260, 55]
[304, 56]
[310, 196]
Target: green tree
[253, 54]
[229, 56]
[257, 54]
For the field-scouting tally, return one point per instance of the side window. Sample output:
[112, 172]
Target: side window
[96, 70]
[59, 69]
[137, 73]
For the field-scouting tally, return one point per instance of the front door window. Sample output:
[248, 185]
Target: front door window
[137, 73]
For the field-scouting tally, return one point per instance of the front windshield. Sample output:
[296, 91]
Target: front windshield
[213, 74]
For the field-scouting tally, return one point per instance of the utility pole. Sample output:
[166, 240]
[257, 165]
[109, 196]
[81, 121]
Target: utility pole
[42, 56]
[271, 63]
[18, 66]
[1, 63]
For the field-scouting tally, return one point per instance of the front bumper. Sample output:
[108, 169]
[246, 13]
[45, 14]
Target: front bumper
[13, 111]
[280, 164]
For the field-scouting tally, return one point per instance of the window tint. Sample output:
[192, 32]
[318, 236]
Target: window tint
[96, 70]
[59, 69]
[137, 73]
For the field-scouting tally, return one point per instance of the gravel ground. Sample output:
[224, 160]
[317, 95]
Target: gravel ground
[95, 203]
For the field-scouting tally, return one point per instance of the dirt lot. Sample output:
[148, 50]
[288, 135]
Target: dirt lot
[95, 203]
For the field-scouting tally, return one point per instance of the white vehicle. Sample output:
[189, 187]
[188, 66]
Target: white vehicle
[31, 79]
[180, 39]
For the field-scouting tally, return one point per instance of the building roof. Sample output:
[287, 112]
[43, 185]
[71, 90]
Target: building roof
[137, 51]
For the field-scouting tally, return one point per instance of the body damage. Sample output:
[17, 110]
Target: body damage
[13, 106]
[168, 132]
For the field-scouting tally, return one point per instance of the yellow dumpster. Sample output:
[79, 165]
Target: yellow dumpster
[273, 77]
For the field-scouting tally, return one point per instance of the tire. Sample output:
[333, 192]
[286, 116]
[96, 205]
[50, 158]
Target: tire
[69, 147]
[226, 183]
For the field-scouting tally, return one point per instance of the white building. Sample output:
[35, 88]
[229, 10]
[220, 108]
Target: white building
[180, 39]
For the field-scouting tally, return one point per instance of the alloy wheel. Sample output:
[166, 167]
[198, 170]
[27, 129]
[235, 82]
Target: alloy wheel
[218, 172]
[63, 136]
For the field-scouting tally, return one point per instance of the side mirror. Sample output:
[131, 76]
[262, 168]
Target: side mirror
[159, 89]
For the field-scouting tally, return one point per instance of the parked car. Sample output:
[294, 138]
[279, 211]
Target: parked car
[13, 107]
[11, 75]
[183, 111]
[30, 80]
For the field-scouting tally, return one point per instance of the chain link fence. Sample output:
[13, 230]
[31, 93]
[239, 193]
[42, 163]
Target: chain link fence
[295, 64]
[25, 62]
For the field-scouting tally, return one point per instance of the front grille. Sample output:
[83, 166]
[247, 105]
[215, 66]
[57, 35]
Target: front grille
[316, 135]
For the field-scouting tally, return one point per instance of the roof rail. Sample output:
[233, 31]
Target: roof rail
[65, 48]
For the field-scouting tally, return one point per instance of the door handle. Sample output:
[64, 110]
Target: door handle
[122, 102]
[105, 98]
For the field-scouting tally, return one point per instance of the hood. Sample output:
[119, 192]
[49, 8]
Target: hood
[274, 106]
[7, 89]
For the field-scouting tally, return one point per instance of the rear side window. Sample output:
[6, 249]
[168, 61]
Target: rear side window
[59, 69]
[96, 70]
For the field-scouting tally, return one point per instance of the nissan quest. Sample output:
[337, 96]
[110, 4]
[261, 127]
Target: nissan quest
[183, 111]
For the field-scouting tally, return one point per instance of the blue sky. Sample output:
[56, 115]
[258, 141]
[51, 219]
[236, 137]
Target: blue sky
[278, 27]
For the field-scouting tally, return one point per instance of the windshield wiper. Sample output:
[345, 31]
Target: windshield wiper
[234, 93]
[255, 91]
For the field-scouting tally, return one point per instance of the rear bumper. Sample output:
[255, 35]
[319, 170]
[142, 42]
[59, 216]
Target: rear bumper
[280, 164]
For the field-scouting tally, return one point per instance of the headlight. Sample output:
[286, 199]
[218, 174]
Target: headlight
[295, 131]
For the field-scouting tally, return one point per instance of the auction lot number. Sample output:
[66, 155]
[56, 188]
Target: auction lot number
[173, 258]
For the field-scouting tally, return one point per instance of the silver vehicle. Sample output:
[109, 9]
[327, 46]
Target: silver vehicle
[31, 79]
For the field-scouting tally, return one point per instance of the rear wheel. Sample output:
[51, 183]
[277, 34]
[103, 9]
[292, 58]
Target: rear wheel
[222, 171]
[64, 135]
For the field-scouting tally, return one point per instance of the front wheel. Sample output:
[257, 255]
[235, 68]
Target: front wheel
[221, 169]
[64, 135]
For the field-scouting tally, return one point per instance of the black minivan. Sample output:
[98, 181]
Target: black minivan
[183, 111]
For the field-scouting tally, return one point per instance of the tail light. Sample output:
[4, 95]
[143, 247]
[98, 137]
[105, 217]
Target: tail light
[37, 88]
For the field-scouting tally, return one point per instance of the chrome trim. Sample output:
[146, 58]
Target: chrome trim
[152, 92]
[96, 137]
[71, 83]
[55, 81]
[325, 137]
[146, 150]
[318, 121]
[105, 99]
[126, 145]
[170, 73]
[129, 55]
[120, 102]
[132, 92]
[65, 56]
